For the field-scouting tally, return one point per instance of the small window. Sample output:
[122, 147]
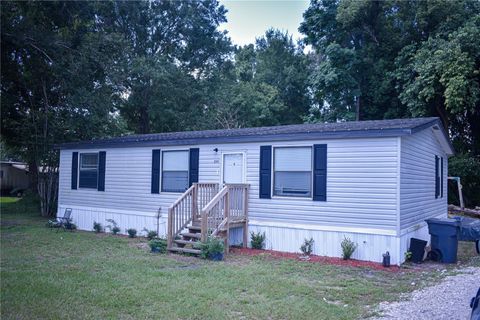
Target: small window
[292, 172]
[174, 171]
[88, 173]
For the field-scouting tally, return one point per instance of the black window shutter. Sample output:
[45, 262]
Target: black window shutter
[193, 166]
[265, 172]
[102, 155]
[74, 170]
[441, 177]
[437, 185]
[155, 171]
[320, 172]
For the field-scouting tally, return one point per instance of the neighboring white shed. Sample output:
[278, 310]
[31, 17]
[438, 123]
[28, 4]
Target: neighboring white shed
[13, 175]
[372, 181]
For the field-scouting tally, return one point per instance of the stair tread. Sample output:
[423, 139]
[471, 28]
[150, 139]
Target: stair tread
[191, 235]
[186, 241]
[189, 250]
[194, 227]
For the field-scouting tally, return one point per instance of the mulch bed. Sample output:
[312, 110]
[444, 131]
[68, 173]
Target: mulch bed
[316, 259]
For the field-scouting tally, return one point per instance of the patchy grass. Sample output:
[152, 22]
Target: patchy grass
[45, 274]
[5, 200]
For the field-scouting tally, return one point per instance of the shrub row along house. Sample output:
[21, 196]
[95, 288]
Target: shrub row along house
[374, 182]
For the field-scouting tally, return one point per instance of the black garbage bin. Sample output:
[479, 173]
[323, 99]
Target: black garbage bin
[444, 238]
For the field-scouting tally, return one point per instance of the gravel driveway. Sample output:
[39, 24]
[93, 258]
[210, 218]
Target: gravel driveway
[448, 300]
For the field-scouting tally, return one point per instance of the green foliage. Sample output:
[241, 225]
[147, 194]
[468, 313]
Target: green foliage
[212, 246]
[257, 240]
[150, 234]
[116, 230]
[132, 233]
[97, 227]
[348, 248]
[158, 244]
[468, 169]
[397, 59]
[307, 246]
[113, 226]
[266, 84]
[407, 255]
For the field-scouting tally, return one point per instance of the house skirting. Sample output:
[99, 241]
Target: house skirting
[327, 242]
[372, 243]
[83, 217]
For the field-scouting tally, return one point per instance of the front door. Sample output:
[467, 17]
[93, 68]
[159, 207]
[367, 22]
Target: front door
[233, 170]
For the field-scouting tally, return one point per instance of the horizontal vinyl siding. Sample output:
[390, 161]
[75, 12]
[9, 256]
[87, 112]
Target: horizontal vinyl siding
[361, 187]
[417, 179]
[361, 183]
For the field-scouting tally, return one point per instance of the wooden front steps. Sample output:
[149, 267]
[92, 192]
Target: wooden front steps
[186, 250]
[203, 210]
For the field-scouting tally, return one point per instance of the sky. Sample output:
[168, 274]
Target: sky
[248, 20]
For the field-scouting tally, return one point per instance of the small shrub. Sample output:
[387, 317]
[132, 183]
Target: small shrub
[211, 247]
[150, 234]
[97, 227]
[116, 230]
[158, 245]
[132, 233]
[307, 246]
[257, 240]
[348, 248]
[408, 255]
[113, 226]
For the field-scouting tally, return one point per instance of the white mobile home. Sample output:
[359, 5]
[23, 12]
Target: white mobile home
[372, 181]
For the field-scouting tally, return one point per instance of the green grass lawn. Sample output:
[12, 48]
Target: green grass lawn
[50, 275]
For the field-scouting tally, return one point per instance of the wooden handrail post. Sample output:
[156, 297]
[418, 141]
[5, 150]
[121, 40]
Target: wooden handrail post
[226, 215]
[170, 229]
[194, 202]
[245, 213]
[204, 226]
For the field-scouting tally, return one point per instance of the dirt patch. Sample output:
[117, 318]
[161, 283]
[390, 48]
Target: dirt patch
[316, 259]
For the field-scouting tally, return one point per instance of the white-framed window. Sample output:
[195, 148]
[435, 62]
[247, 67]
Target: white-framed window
[292, 171]
[88, 170]
[175, 170]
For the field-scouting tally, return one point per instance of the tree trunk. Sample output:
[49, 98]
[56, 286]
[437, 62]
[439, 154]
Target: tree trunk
[48, 191]
[441, 112]
[357, 108]
[33, 175]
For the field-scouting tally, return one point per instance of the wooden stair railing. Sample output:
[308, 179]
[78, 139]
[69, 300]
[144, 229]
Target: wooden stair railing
[185, 209]
[228, 208]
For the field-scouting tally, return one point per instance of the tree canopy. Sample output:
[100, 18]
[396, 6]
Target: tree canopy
[82, 70]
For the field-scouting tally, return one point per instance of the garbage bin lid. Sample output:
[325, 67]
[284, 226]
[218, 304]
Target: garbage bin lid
[444, 221]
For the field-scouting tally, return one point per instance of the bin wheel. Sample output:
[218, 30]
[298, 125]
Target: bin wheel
[435, 255]
[477, 246]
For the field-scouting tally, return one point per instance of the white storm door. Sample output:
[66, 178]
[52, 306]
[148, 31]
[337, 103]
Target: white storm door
[233, 170]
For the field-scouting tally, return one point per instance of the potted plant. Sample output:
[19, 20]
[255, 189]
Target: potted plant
[212, 249]
[158, 245]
